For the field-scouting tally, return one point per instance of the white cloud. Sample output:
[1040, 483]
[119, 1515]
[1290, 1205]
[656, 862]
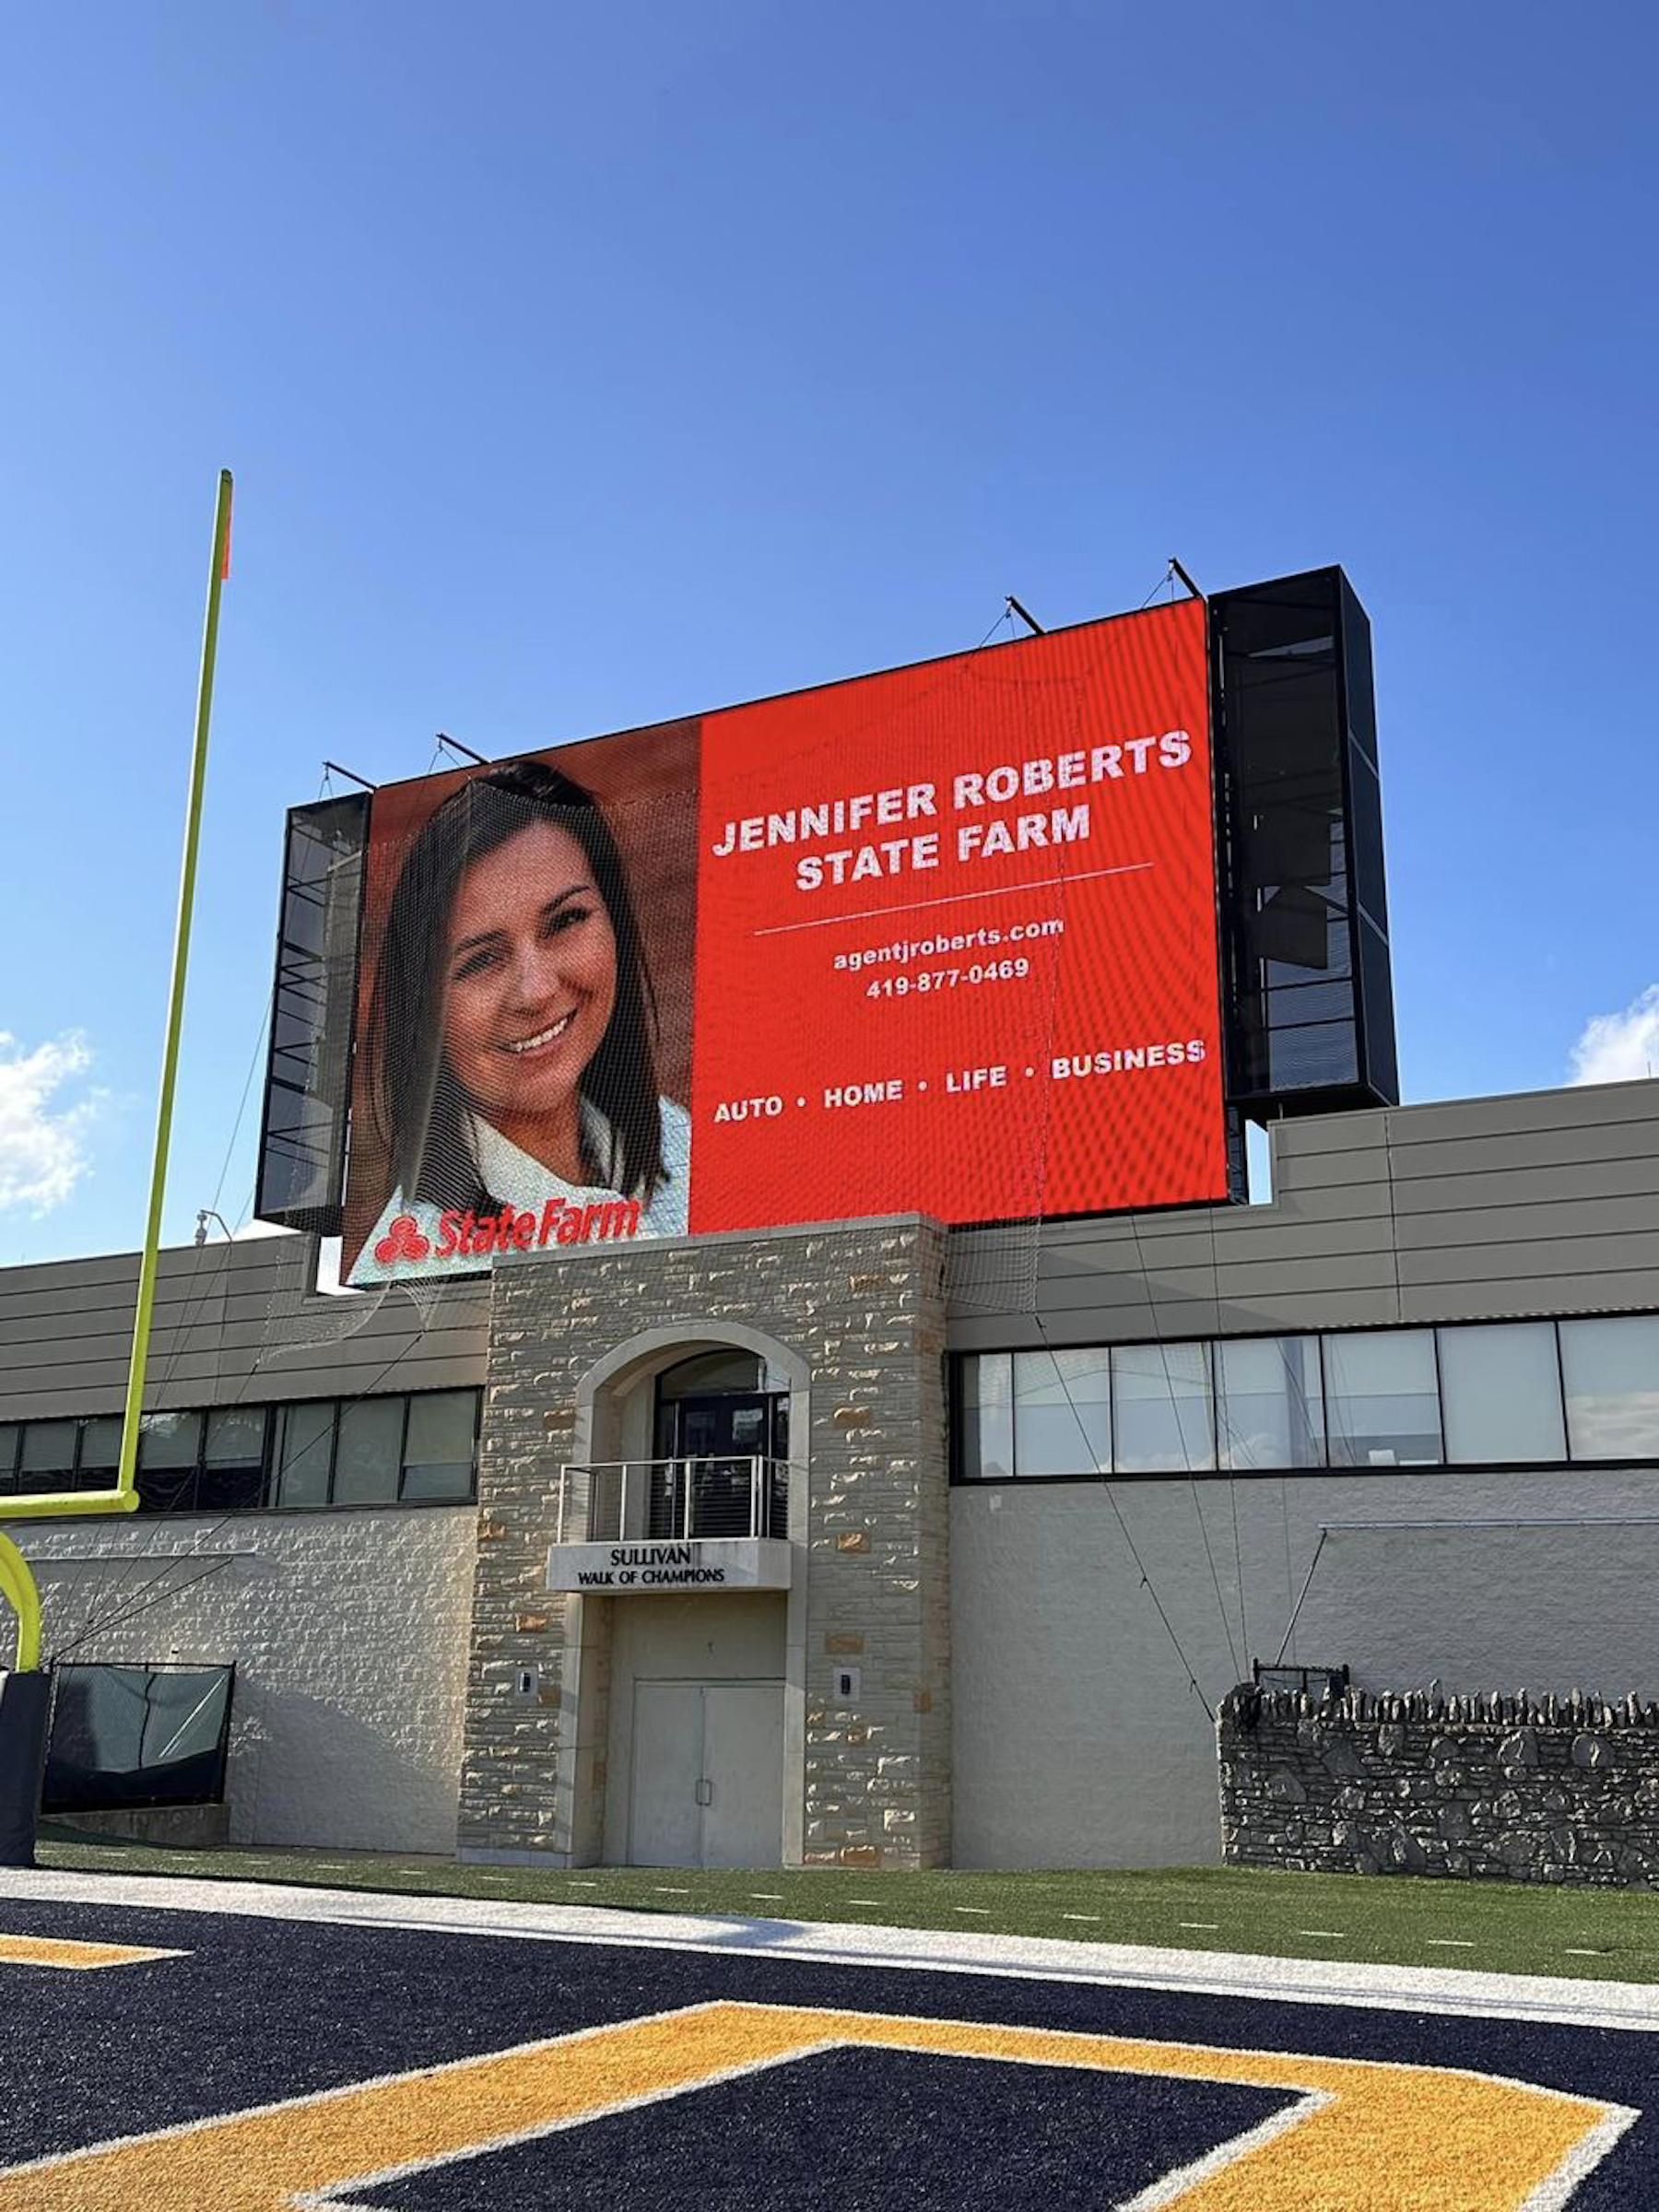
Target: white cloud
[1615, 1048]
[43, 1144]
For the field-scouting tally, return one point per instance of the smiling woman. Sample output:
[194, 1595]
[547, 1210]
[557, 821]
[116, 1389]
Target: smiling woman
[509, 1052]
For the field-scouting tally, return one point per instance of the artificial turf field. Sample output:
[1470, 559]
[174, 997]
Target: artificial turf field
[255, 2063]
[1492, 1927]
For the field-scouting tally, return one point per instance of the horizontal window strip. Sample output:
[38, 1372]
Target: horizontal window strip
[1528, 1393]
[400, 1448]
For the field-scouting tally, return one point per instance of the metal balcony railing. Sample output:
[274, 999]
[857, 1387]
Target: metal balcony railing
[658, 1499]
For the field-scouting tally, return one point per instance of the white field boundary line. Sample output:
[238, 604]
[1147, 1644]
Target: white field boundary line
[1563, 2003]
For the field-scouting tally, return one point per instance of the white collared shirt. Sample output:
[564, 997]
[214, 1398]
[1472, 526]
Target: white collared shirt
[516, 1179]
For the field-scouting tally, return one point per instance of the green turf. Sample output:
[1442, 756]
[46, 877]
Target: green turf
[1492, 1927]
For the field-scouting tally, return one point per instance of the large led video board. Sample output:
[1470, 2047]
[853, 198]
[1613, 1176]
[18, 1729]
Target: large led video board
[941, 939]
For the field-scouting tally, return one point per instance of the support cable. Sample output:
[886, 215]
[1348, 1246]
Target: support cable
[1307, 1585]
[1179, 1425]
[1147, 1582]
[134, 1610]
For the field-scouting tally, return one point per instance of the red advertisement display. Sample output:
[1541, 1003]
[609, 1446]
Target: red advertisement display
[941, 939]
[984, 987]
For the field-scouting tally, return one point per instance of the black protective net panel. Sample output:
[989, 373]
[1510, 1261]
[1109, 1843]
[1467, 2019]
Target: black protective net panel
[1310, 1007]
[137, 1736]
[302, 1141]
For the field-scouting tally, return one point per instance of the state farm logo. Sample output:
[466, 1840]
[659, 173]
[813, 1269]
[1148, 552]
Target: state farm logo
[402, 1240]
[474, 1236]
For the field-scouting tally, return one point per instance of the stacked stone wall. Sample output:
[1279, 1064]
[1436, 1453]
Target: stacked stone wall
[1552, 1789]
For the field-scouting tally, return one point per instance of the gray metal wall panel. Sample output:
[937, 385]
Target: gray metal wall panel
[1534, 1259]
[1319, 1134]
[1626, 1105]
[1486, 1229]
[234, 1323]
[1263, 1238]
[1376, 1308]
[1520, 1150]
[1544, 1203]
[1295, 1171]
[1580, 1180]
[1636, 1289]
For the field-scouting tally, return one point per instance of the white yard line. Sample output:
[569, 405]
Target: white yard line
[1551, 1999]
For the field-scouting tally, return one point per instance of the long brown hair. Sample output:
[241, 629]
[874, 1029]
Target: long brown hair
[419, 1105]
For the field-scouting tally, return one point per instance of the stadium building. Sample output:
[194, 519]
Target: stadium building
[773, 1360]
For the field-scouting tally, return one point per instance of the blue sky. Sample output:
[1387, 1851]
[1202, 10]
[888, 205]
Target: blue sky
[582, 367]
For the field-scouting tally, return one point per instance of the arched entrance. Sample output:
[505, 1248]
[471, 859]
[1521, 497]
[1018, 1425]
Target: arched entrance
[690, 1688]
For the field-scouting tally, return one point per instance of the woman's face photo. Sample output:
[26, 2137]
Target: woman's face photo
[530, 974]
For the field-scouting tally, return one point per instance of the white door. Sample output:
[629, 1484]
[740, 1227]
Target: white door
[667, 1825]
[743, 1774]
[708, 1774]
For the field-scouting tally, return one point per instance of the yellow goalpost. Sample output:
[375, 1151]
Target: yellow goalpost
[18, 1585]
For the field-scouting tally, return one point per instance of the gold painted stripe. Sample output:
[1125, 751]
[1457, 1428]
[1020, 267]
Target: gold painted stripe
[78, 1957]
[1370, 2138]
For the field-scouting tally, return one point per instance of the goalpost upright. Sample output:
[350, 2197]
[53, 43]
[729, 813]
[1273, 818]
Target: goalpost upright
[17, 1586]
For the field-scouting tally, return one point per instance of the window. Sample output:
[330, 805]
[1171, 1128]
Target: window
[368, 1452]
[233, 1458]
[439, 1448]
[1162, 1419]
[705, 1372]
[305, 1453]
[987, 1407]
[170, 1445]
[1479, 1394]
[1611, 1372]
[48, 1461]
[100, 1452]
[1500, 1394]
[372, 1451]
[59, 1456]
[1063, 1413]
[378, 1451]
[1269, 1403]
[1382, 1402]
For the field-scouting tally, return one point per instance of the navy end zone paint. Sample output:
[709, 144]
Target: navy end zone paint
[260, 2011]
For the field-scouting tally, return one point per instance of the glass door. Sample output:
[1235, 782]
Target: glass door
[707, 1444]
